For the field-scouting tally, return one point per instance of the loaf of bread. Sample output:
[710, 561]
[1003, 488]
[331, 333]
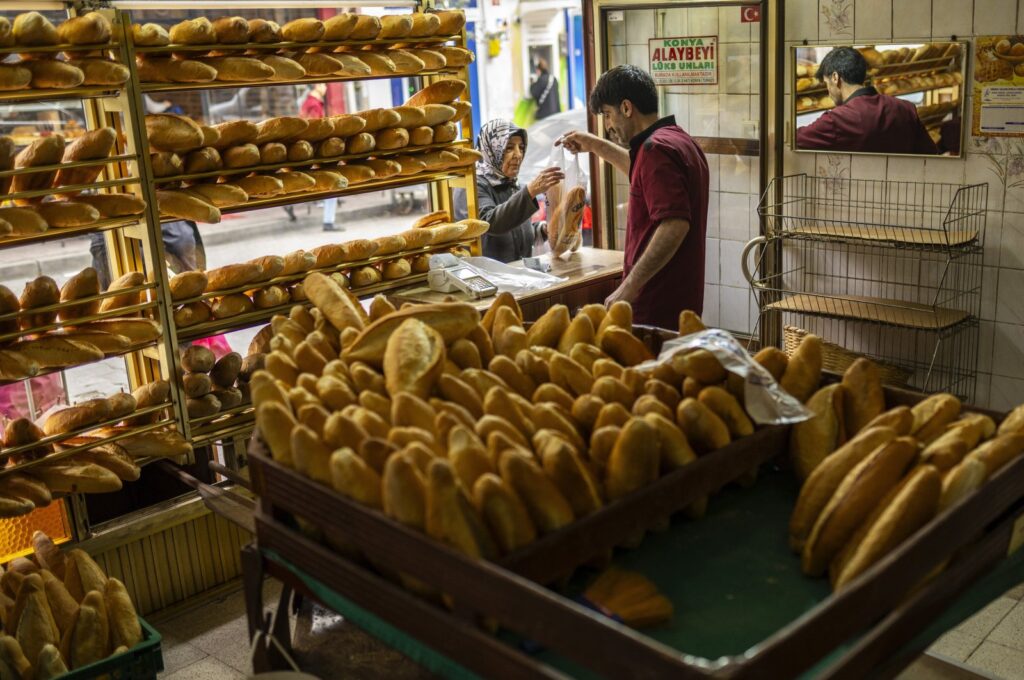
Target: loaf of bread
[439, 92]
[340, 26]
[319, 65]
[231, 30]
[166, 164]
[101, 71]
[445, 132]
[219, 195]
[68, 213]
[40, 292]
[114, 205]
[279, 128]
[125, 282]
[432, 59]
[395, 26]
[380, 64]
[233, 276]
[33, 29]
[451, 22]
[202, 160]
[456, 57]
[303, 30]
[83, 284]
[231, 305]
[396, 269]
[300, 151]
[351, 65]
[284, 68]
[436, 114]
[166, 70]
[14, 77]
[365, 276]
[168, 132]
[210, 135]
[296, 182]
[364, 142]
[328, 180]
[53, 74]
[240, 69]
[271, 296]
[391, 138]
[332, 146]
[192, 314]
[54, 352]
[355, 173]
[235, 133]
[193, 32]
[23, 221]
[462, 110]
[263, 31]
[273, 153]
[259, 186]
[43, 151]
[187, 207]
[367, 27]
[150, 35]
[383, 167]
[407, 62]
[108, 343]
[241, 156]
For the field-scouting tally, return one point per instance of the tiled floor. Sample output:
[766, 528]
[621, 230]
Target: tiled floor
[209, 641]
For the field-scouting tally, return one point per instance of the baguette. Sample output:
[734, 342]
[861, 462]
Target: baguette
[33, 29]
[439, 92]
[433, 60]
[351, 65]
[451, 22]
[114, 205]
[204, 159]
[456, 57]
[235, 133]
[240, 69]
[865, 399]
[175, 71]
[811, 441]
[40, 292]
[14, 77]
[263, 31]
[129, 280]
[803, 372]
[168, 132]
[193, 32]
[83, 284]
[854, 499]
[166, 164]
[340, 26]
[406, 62]
[912, 507]
[139, 331]
[258, 186]
[452, 320]
[280, 128]
[108, 343]
[367, 27]
[300, 151]
[283, 67]
[932, 415]
[52, 74]
[43, 151]
[150, 35]
[997, 452]
[93, 145]
[68, 214]
[303, 30]
[101, 72]
[241, 156]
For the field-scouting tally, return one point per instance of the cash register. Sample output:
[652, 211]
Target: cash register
[449, 274]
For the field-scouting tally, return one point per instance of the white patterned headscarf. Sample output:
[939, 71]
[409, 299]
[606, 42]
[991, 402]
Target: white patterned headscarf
[492, 143]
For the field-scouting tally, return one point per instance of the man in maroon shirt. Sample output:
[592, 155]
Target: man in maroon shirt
[668, 196]
[863, 119]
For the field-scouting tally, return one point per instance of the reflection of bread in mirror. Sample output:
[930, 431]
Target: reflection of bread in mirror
[805, 84]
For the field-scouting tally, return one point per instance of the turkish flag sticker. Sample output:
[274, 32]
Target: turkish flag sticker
[750, 14]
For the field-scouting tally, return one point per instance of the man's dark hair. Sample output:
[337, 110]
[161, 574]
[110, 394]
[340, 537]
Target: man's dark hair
[622, 83]
[847, 62]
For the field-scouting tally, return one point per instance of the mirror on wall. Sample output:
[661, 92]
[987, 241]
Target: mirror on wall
[886, 99]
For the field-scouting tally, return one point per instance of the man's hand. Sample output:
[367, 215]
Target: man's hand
[547, 178]
[623, 292]
[578, 141]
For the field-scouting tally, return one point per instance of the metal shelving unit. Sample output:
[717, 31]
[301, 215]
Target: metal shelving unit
[235, 423]
[890, 270]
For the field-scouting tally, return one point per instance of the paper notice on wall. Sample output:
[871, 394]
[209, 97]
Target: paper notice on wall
[998, 93]
[684, 61]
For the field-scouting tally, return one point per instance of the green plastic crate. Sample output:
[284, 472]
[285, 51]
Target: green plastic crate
[141, 662]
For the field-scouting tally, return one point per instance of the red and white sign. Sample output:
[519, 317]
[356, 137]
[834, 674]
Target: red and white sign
[750, 14]
[684, 61]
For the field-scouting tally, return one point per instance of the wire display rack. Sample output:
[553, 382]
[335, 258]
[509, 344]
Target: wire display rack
[885, 269]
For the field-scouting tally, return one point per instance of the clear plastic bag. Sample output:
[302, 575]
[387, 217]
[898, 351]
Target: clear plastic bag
[765, 401]
[564, 203]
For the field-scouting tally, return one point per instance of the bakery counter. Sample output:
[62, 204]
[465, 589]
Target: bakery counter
[591, 275]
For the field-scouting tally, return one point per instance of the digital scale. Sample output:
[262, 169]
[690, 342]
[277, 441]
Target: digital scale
[449, 274]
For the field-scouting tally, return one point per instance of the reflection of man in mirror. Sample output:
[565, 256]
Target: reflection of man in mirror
[863, 119]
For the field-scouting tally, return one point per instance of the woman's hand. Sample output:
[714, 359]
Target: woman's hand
[578, 141]
[547, 178]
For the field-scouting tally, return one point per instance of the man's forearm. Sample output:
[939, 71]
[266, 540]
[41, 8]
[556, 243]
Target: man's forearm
[613, 153]
[667, 239]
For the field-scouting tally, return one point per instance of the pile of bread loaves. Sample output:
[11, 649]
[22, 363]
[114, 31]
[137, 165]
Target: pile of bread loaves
[61, 612]
[248, 50]
[875, 476]
[260, 279]
[73, 342]
[62, 209]
[212, 385]
[99, 468]
[479, 431]
[226, 151]
[85, 38]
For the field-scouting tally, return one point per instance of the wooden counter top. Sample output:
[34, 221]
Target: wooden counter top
[582, 268]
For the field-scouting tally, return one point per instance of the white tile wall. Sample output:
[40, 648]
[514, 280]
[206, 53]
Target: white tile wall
[1008, 349]
[735, 217]
[993, 16]
[873, 20]
[738, 173]
[911, 19]
[639, 23]
[734, 311]
[704, 21]
[802, 20]
[711, 255]
[953, 17]
[676, 23]
[1001, 336]
[730, 263]
[730, 28]
[711, 304]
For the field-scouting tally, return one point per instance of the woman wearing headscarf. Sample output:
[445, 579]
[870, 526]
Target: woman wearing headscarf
[500, 199]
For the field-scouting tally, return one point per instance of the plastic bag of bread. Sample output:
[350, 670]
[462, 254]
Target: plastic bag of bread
[564, 203]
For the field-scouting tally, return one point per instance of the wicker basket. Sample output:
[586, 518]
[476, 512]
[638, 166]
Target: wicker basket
[837, 359]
